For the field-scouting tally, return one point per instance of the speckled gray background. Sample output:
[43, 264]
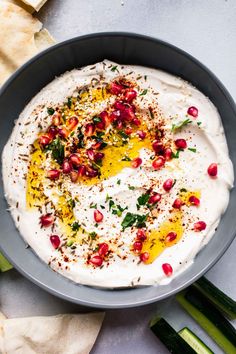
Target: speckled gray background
[205, 29]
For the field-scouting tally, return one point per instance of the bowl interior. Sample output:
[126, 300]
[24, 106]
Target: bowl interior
[126, 49]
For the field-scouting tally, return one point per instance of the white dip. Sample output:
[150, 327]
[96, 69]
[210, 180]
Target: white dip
[162, 104]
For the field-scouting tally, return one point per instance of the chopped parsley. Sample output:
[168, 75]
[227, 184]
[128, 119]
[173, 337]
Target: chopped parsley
[199, 123]
[111, 203]
[126, 158]
[123, 135]
[69, 102]
[118, 182]
[96, 119]
[119, 210]
[114, 68]
[145, 77]
[144, 92]
[192, 149]
[69, 243]
[180, 125]
[183, 190]
[131, 219]
[71, 203]
[75, 226]
[132, 188]
[93, 235]
[175, 155]
[57, 149]
[143, 199]
[93, 205]
[50, 111]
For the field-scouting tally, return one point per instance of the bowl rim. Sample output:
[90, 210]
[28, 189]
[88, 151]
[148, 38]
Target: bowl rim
[228, 97]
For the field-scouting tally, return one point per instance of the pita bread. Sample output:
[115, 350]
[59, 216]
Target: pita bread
[36, 4]
[28, 5]
[17, 38]
[62, 334]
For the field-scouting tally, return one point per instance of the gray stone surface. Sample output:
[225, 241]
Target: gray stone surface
[205, 29]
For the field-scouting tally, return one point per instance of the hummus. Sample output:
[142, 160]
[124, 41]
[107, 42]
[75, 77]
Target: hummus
[112, 173]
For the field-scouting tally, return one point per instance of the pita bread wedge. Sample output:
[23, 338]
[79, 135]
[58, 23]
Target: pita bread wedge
[18, 42]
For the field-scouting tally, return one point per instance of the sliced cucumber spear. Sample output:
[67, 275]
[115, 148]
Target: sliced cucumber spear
[169, 337]
[223, 302]
[209, 318]
[4, 264]
[194, 342]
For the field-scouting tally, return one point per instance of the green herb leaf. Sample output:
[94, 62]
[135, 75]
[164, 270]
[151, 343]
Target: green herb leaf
[141, 220]
[183, 190]
[192, 149]
[97, 120]
[71, 203]
[57, 149]
[111, 204]
[199, 123]
[145, 77]
[129, 220]
[175, 155]
[114, 68]
[75, 226]
[93, 205]
[144, 92]
[126, 158]
[50, 111]
[132, 188]
[180, 125]
[93, 235]
[69, 102]
[143, 199]
[118, 182]
[69, 243]
[125, 136]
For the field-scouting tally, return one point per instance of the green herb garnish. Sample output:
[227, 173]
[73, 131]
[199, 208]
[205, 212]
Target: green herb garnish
[50, 111]
[126, 158]
[111, 203]
[118, 182]
[123, 135]
[183, 190]
[57, 149]
[93, 235]
[71, 203]
[144, 92]
[175, 155]
[130, 219]
[180, 125]
[97, 120]
[192, 149]
[114, 68]
[132, 188]
[143, 199]
[69, 102]
[199, 123]
[75, 226]
[93, 205]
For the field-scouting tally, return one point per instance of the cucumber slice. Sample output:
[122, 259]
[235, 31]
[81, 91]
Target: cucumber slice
[194, 342]
[223, 302]
[169, 337]
[4, 264]
[209, 318]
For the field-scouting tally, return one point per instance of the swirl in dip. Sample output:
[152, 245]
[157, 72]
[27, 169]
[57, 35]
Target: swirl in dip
[112, 173]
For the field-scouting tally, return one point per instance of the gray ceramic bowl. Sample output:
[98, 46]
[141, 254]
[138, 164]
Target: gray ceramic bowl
[127, 49]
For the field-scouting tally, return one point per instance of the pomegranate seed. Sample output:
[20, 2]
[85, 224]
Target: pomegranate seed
[90, 154]
[98, 156]
[81, 170]
[44, 140]
[171, 236]
[141, 134]
[194, 200]
[144, 257]
[105, 118]
[63, 132]
[137, 246]
[155, 198]
[73, 121]
[130, 95]
[56, 119]
[119, 124]
[212, 170]
[119, 105]
[193, 111]
[96, 261]
[167, 269]
[136, 122]
[199, 226]
[168, 154]
[46, 220]
[168, 184]
[91, 172]
[89, 129]
[98, 216]
[74, 159]
[74, 176]
[66, 166]
[129, 115]
[141, 235]
[177, 203]
[103, 249]
[55, 241]
[181, 143]
[53, 174]
[52, 131]
[115, 88]
[115, 115]
[128, 131]
[158, 163]
[157, 147]
[135, 163]
[100, 125]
